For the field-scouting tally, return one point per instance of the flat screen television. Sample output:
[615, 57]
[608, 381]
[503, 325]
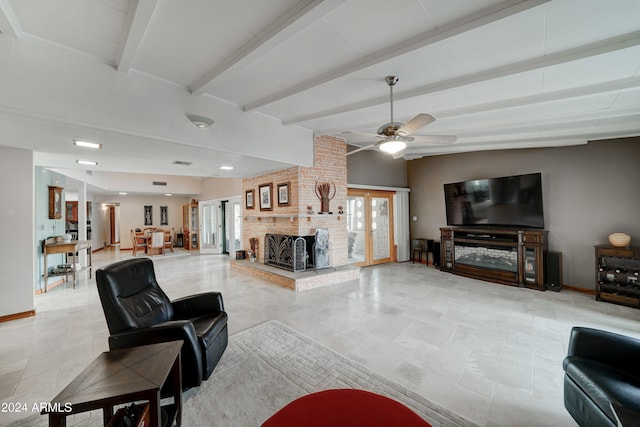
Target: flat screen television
[509, 201]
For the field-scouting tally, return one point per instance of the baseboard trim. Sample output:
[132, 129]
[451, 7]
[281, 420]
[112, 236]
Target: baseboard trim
[50, 286]
[579, 289]
[16, 316]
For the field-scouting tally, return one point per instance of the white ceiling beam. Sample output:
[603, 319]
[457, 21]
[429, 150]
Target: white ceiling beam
[534, 127]
[530, 140]
[558, 95]
[556, 58]
[137, 22]
[468, 23]
[296, 19]
[533, 142]
[9, 23]
[585, 132]
[575, 120]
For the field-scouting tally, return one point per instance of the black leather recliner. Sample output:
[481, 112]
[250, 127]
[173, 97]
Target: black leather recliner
[601, 368]
[138, 312]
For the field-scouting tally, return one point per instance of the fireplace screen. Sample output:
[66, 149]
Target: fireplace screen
[288, 252]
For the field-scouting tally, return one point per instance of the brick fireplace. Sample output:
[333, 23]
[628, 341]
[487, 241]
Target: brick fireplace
[330, 164]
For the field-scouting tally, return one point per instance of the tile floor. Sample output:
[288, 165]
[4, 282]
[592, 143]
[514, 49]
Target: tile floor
[492, 353]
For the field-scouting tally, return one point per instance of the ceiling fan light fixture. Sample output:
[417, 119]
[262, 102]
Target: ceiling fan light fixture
[201, 122]
[392, 145]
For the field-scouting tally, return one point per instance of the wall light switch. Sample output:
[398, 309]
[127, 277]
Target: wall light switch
[414, 218]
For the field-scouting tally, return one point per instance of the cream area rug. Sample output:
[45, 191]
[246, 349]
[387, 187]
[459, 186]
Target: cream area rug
[268, 366]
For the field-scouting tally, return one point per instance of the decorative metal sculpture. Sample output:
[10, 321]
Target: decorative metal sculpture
[325, 191]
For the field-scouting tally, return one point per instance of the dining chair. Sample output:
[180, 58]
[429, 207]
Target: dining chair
[156, 243]
[168, 239]
[138, 241]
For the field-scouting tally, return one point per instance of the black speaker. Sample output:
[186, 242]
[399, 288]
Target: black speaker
[553, 270]
[436, 254]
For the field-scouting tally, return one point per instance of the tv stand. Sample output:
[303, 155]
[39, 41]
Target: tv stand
[502, 255]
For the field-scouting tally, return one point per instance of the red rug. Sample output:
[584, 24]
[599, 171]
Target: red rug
[345, 407]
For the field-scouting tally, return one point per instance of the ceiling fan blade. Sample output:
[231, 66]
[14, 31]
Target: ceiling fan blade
[435, 139]
[367, 135]
[416, 123]
[361, 149]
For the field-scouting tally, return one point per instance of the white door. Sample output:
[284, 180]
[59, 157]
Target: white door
[210, 226]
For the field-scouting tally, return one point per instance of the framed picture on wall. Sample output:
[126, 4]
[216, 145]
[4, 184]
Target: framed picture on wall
[265, 192]
[164, 215]
[148, 215]
[283, 193]
[249, 197]
[55, 202]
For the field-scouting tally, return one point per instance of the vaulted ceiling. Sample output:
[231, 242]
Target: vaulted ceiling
[271, 73]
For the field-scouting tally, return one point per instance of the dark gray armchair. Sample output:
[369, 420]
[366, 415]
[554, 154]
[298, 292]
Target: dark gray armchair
[602, 370]
[138, 312]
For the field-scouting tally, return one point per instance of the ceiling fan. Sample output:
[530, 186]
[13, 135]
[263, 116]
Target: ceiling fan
[394, 136]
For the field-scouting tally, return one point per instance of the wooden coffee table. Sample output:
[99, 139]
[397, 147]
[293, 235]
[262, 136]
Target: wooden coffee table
[120, 377]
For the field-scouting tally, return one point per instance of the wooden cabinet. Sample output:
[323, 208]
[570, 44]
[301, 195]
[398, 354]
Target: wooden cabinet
[71, 211]
[507, 256]
[190, 225]
[55, 202]
[618, 275]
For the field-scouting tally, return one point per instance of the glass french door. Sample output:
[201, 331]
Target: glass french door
[221, 226]
[232, 225]
[235, 225]
[370, 226]
[209, 227]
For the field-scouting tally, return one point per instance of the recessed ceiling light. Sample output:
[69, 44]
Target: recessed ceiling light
[86, 162]
[87, 144]
[227, 168]
[168, 194]
[123, 193]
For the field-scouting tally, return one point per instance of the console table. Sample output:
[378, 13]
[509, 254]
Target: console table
[66, 248]
[502, 255]
[122, 376]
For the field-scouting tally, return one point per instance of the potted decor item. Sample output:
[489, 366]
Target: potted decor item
[619, 240]
[325, 191]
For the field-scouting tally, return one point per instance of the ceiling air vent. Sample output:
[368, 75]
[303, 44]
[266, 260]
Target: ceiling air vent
[159, 183]
[182, 163]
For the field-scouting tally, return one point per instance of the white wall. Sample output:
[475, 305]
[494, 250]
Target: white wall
[17, 262]
[220, 188]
